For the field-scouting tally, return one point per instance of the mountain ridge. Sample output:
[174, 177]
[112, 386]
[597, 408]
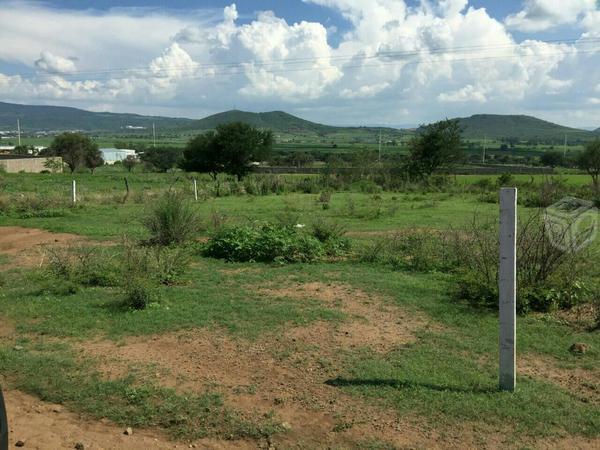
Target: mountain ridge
[58, 118]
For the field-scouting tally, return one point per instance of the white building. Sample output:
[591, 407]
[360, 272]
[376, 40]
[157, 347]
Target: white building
[112, 155]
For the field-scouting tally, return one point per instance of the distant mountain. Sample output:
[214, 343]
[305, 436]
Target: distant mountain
[494, 126]
[274, 120]
[56, 118]
[39, 117]
[282, 122]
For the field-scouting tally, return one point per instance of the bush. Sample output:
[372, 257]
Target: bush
[419, 251]
[139, 293]
[331, 234]
[264, 243]
[173, 220]
[87, 266]
[548, 274]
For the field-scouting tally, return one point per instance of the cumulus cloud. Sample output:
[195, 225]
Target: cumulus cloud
[435, 58]
[49, 62]
[469, 93]
[538, 15]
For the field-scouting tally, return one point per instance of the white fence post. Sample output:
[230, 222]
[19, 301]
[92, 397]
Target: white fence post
[508, 288]
[74, 192]
[195, 190]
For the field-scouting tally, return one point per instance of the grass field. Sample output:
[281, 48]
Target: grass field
[332, 354]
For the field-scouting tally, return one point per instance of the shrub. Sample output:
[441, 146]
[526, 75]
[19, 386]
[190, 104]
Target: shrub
[87, 266]
[331, 234]
[264, 243]
[139, 293]
[418, 250]
[548, 274]
[173, 220]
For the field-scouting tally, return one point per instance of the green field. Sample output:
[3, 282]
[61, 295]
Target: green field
[337, 353]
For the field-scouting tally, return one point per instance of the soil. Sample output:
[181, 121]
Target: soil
[287, 373]
[47, 426]
[25, 246]
[583, 384]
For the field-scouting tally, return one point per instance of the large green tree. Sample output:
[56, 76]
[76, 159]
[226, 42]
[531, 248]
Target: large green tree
[552, 159]
[76, 150]
[232, 148]
[202, 155]
[161, 158]
[435, 146]
[589, 160]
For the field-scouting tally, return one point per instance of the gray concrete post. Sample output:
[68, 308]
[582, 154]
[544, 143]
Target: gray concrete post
[74, 191]
[507, 280]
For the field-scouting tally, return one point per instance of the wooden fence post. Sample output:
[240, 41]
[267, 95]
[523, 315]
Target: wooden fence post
[507, 281]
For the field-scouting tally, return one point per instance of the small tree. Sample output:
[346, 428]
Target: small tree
[75, 149]
[202, 155]
[241, 145]
[436, 145]
[129, 162]
[589, 160]
[93, 158]
[552, 159]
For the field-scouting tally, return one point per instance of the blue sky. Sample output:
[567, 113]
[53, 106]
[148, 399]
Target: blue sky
[357, 62]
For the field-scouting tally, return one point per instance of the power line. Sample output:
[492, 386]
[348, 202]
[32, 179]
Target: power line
[394, 56]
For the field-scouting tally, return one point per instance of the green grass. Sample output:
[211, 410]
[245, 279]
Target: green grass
[447, 377]
[56, 375]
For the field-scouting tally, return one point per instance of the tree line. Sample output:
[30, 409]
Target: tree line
[235, 148]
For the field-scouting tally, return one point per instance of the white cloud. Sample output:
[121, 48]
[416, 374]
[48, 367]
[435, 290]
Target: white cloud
[49, 62]
[439, 58]
[539, 15]
[469, 93]
[364, 91]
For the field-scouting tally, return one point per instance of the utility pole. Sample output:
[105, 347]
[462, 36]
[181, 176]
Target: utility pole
[19, 131]
[153, 135]
[565, 147]
[484, 145]
[379, 157]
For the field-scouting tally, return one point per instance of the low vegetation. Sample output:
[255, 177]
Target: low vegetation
[308, 275]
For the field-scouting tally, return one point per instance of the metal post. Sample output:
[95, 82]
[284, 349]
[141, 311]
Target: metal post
[74, 191]
[508, 288]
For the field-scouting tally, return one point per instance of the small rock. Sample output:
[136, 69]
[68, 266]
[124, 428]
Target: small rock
[18, 348]
[286, 426]
[79, 446]
[578, 348]
[19, 444]
[128, 431]
[57, 409]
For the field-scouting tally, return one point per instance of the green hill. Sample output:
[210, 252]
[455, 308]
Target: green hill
[40, 117]
[274, 120]
[494, 126]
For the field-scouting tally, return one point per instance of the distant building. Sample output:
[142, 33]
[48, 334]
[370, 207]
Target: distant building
[35, 164]
[112, 155]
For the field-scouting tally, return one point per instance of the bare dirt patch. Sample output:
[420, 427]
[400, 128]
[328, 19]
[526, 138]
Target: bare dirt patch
[582, 383]
[44, 426]
[25, 246]
[371, 321]
[284, 374]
